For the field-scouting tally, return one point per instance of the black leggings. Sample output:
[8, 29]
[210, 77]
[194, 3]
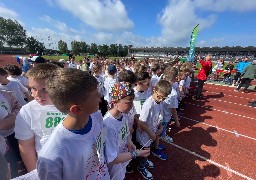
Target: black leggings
[200, 86]
[238, 74]
[245, 81]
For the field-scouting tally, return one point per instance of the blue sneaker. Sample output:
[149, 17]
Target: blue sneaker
[160, 154]
[149, 164]
[160, 146]
[145, 173]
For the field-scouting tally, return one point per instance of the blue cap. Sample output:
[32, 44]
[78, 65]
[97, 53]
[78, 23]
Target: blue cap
[112, 68]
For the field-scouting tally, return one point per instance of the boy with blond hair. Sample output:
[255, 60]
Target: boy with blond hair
[150, 122]
[75, 148]
[37, 119]
[119, 147]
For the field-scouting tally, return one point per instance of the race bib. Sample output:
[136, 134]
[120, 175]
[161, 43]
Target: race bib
[100, 144]
[49, 120]
[5, 105]
[138, 105]
[124, 132]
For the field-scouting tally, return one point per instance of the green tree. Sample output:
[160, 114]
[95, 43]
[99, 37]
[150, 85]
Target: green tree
[75, 46]
[62, 46]
[123, 51]
[113, 50]
[2, 31]
[12, 33]
[94, 48]
[103, 50]
[32, 45]
[84, 47]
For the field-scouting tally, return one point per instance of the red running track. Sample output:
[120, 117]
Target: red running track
[213, 142]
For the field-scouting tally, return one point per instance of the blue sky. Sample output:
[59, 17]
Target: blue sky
[141, 23]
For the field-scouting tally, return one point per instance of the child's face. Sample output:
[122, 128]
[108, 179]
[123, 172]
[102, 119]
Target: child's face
[144, 85]
[38, 91]
[3, 78]
[158, 97]
[92, 102]
[125, 105]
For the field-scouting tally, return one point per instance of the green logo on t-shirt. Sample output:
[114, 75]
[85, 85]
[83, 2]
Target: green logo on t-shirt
[53, 119]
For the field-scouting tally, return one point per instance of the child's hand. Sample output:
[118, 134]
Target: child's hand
[153, 137]
[143, 153]
[159, 131]
[131, 130]
[131, 147]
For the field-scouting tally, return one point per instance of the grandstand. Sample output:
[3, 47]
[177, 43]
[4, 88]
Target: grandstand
[165, 52]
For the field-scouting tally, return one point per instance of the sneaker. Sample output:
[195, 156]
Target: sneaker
[149, 164]
[160, 146]
[167, 139]
[236, 90]
[145, 173]
[160, 154]
[129, 169]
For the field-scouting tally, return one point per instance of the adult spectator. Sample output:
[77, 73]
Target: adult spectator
[203, 73]
[248, 74]
[239, 69]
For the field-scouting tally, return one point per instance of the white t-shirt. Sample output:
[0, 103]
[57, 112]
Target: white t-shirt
[33, 175]
[101, 88]
[72, 65]
[182, 82]
[21, 79]
[131, 115]
[117, 132]
[67, 155]
[170, 102]
[140, 98]
[5, 109]
[154, 80]
[150, 114]
[17, 89]
[188, 81]
[108, 84]
[176, 86]
[37, 120]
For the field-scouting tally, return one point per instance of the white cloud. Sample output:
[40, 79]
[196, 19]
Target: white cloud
[178, 20]
[107, 15]
[50, 38]
[7, 13]
[61, 26]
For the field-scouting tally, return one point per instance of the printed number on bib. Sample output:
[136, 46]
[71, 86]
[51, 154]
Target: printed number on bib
[5, 105]
[49, 120]
[124, 132]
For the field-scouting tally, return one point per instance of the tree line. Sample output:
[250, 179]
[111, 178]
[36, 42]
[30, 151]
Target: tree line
[13, 34]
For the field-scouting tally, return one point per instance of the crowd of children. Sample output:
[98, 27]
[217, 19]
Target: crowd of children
[91, 122]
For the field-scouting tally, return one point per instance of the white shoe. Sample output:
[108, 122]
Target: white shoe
[167, 139]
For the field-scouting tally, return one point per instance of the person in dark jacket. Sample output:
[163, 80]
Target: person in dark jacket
[248, 74]
[203, 73]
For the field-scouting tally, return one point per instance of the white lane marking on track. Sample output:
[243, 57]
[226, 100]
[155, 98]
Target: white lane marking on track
[232, 132]
[212, 162]
[230, 95]
[224, 89]
[208, 108]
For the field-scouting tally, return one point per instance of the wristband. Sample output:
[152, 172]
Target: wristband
[134, 154]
